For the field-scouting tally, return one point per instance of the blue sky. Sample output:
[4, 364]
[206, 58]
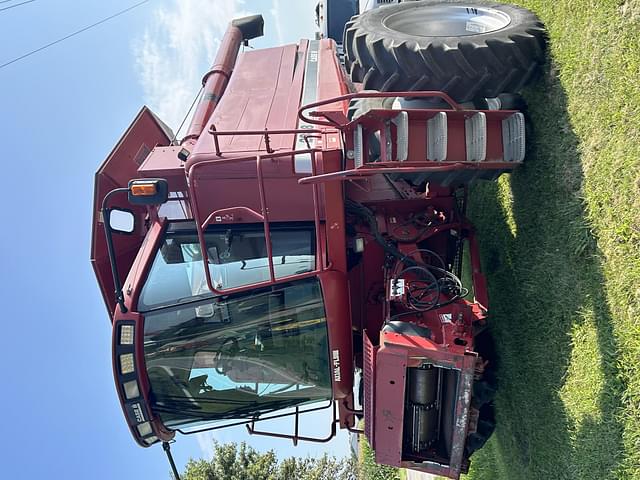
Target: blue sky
[61, 112]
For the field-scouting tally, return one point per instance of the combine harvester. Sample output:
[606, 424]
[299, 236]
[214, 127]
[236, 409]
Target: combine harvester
[310, 230]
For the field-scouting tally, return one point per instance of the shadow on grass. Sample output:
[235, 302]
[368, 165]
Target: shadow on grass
[559, 388]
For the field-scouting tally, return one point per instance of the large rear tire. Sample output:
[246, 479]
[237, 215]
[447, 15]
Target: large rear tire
[466, 49]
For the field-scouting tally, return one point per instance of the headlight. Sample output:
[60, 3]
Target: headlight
[144, 429]
[131, 389]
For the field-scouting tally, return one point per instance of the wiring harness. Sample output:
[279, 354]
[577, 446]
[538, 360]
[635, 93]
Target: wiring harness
[429, 285]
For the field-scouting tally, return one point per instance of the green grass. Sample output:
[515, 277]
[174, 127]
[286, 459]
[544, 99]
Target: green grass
[560, 241]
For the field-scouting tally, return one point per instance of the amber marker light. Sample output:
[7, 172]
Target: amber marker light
[148, 191]
[143, 189]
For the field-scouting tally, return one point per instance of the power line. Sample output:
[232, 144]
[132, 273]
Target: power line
[186, 115]
[7, 1]
[16, 5]
[73, 34]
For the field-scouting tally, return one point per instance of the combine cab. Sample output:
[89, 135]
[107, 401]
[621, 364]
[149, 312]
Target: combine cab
[311, 226]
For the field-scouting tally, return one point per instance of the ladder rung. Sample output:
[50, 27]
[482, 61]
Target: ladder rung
[437, 137]
[476, 137]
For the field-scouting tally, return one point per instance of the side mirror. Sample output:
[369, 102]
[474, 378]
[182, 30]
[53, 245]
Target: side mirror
[148, 191]
[122, 221]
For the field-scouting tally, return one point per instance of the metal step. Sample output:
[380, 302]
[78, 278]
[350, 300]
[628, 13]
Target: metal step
[476, 137]
[358, 152]
[437, 137]
[513, 138]
[389, 143]
[401, 121]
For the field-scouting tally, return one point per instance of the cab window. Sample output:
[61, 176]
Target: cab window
[237, 257]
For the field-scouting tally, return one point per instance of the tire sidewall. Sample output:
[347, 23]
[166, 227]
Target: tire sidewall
[373, 22]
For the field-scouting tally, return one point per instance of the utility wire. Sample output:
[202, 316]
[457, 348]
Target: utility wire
[7, 1]
[186, 115]
[73, 34]
[16, 5]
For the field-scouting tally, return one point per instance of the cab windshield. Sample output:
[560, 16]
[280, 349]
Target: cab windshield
[238, 356]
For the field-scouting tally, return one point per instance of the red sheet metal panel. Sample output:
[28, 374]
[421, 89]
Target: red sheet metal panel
[256, 98]
[264, 92]
[163, 162]
[391, 367]
[336, 291]
[369, 375]
[218, 186]
[330, 71]
[145, 132]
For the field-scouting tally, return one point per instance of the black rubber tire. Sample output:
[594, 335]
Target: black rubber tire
[486, 427]
[465, 67]
[361, 106]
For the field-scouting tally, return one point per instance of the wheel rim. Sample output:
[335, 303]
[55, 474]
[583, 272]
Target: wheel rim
[447, 21]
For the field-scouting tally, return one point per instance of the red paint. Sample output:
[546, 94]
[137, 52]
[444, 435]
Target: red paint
[389, 404]
[163, 162]
[142, 265]
[120, 166]
[335, 290]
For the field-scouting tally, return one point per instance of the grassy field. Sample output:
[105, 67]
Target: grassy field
[560, 241]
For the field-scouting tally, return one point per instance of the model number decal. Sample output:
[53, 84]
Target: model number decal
[302, 163]
[337, 376]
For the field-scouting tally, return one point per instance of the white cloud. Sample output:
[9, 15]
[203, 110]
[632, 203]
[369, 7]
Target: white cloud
[205, 442]
[276, 13]
[177, 48]
[229, 434]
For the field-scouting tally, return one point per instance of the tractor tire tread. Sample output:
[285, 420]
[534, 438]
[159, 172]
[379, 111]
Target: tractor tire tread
[465, 67]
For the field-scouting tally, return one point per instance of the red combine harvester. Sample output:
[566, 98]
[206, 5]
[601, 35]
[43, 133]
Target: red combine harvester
[310, 229]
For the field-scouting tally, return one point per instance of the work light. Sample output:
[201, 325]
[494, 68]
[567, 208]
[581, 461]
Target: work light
[126, 363]
[126, 335]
